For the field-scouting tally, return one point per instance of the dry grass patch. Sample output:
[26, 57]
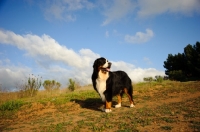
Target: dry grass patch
[167, 106]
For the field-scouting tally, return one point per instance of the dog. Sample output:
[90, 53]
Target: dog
[109, 84]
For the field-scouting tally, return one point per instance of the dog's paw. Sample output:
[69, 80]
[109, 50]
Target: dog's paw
[132, 105]
[118, 105]
[106, 110]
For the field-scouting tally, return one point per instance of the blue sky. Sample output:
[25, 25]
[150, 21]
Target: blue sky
[60, 39]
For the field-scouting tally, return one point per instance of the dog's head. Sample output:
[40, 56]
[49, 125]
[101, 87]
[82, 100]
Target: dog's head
[102, 64]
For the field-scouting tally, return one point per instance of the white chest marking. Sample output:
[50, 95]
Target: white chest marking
[101, 84]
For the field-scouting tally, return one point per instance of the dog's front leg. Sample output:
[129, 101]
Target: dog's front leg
[108, 102]
[108, 106]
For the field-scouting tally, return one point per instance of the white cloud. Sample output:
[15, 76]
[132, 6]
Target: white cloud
[73, 5]
[113, 10]
[58, 12]
[139, 37]
[64, 9]
[57, 61]
[118, 10]
[107, 34]
[11, 76]
[50, 54]
[156, 7]
[136, 73]
[46, 48]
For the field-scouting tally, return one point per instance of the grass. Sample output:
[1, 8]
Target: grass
[8, 108]
[11, 105]
[159, 107]
[166, 127]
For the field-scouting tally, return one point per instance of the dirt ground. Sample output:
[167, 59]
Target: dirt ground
[156, 110]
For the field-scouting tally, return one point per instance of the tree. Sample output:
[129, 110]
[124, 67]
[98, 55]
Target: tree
[175, 62]
[148, 79]
[177, 75]
[159, 79]
[184, 66]
[192, 57]
[71, 86]
[31, 86]
[50, 85]
[47, 85]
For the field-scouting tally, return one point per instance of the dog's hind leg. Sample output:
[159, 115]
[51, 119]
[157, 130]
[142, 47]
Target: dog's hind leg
[130, 96]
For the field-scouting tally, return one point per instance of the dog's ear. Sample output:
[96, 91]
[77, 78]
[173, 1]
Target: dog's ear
[95, 64]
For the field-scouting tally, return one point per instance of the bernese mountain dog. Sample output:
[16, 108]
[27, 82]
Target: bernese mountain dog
[109, 84]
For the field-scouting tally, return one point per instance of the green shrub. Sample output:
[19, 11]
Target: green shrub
[11, 105]
[159, 79]
[71, 86]
[30, 87]
[51, 85]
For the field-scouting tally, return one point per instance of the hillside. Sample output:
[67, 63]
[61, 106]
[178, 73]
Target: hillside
[168, 106]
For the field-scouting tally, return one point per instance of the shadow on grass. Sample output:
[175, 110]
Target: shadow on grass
[90, 103]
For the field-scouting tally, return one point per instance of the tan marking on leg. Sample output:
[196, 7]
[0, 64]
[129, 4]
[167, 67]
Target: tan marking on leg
[108, 105]
[119, 98]
[126, 91]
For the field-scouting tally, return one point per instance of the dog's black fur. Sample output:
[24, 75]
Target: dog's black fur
[116, 82]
